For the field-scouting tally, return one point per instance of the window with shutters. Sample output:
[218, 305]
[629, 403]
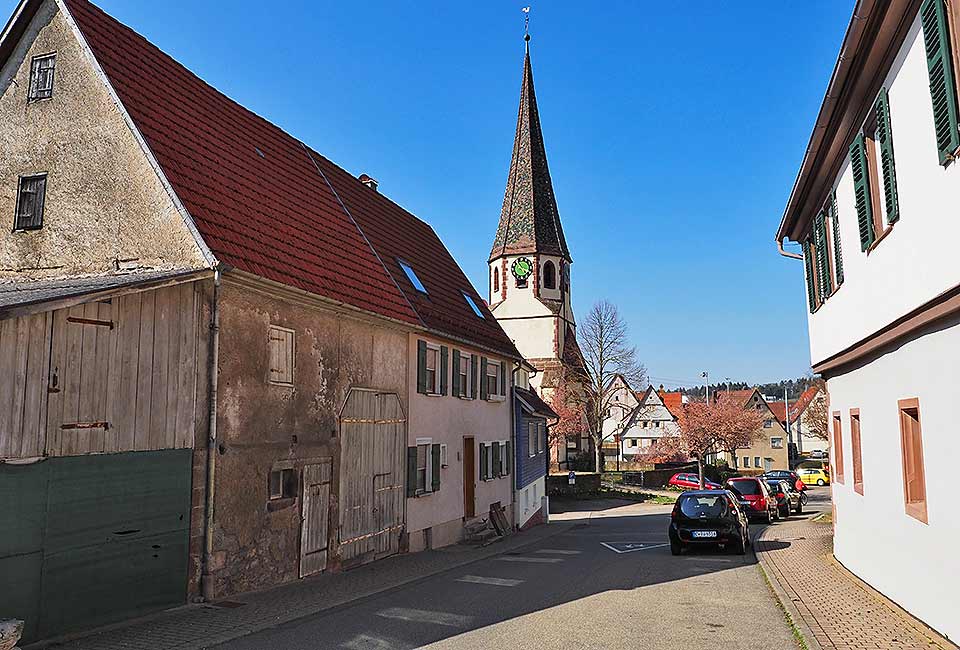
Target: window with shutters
[822, 256]
[874, 173]
[433, 370]
[941, 75]
[41, 77]
[31, 194]
[493, 380]
[911, 446]
[424, 467]
[461, 366]
[837, 450]
[281, 344]
[855, 451]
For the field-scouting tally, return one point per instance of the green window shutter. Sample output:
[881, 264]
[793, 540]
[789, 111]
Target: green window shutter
[443, 369]
[422, 367]
[822, 258]
[837, 251]
[483, 378]
[474, 366]
[503, 377]
[508, 462]
[887, 167]
[495, 447]
[455, 380]
[411, 471]
[943, 89]
[861, 191]
[808, 263]
[483, 462]
[435, 467]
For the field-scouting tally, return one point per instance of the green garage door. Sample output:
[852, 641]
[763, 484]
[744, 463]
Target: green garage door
[93, 539]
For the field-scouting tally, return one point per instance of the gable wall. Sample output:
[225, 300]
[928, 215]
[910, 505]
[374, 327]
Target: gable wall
[104, 201]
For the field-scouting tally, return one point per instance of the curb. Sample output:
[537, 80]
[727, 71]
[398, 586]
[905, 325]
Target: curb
[785, 601]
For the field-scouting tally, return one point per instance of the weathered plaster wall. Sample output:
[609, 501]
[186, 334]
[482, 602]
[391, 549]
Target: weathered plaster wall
[260, 424]
[104, 201]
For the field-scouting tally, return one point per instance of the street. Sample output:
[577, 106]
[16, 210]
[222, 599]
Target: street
[609, 582]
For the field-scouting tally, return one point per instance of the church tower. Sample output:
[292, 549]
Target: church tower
[529, 265]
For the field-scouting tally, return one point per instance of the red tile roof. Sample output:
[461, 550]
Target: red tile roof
[798, 407]
[779, 410]
[673, 402]
[261, 204]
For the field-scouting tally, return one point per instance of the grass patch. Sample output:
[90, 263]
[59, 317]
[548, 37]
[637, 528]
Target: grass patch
[824, 518]
[797, 634]
[641, 497]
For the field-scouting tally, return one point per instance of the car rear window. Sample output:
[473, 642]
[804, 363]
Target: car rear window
[774, 486]
[709, 505]
[745, 488]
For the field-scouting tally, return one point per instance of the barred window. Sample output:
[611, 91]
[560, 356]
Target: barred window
[41, 77]
[30, 197]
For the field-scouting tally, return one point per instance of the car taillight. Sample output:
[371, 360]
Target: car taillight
[781, 495]
[674, 515]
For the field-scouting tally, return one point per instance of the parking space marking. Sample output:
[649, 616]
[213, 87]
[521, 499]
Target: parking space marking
[631, 547]
[425, 616]
[498, 582]
[557, 551]
[520, 558]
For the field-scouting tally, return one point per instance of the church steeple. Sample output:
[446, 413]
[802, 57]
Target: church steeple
[529, 220]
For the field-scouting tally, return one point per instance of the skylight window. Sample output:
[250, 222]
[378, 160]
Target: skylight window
[473, 305]
[412, 276]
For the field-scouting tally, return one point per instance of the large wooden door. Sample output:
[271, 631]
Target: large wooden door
[372, 445]
[313, 518]
[469, 479]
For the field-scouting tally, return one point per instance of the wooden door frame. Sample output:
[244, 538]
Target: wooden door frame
[471, 511]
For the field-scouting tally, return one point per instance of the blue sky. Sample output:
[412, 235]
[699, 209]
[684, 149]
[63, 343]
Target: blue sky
[674, 132]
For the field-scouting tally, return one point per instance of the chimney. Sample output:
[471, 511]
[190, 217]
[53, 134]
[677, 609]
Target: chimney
[369, 181]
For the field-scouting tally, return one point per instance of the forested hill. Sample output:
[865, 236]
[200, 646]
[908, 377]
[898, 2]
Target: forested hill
[794, 388]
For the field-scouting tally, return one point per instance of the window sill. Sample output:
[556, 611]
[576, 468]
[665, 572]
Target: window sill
[281, 384]
[883, 235]
[273, 505]
[497, 398]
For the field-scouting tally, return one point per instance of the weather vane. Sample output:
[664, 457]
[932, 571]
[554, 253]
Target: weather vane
[526, 23]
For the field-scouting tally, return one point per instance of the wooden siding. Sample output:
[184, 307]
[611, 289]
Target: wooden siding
[528, 468]
[101, 377]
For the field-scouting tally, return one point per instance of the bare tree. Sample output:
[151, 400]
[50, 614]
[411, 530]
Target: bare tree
[607, 352]
[815, 418]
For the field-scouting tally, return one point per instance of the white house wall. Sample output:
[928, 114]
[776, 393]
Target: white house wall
[917, 260]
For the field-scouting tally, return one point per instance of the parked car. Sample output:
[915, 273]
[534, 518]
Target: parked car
[783, 475]
[754, 497]
[708, 517]
[813, 476]
[788, 498]
[818, 454]
[691, 482]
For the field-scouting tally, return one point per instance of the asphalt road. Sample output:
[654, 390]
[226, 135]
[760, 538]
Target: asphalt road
[572, 590]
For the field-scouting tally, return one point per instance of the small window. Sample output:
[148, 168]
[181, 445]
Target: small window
[756, 461]
[281, 345]
[473, 305]
[41, 77]
[746, 461]
[496, 280]
[423, 466]
[855, 449]
[776, 443]
[837, 451]
[493, 380]
[433, 376]
[767, 424]
[31, 194]
[464, 374]
[283, 484]
[549, 275]
[412, 276]
[531, 439]
[911, 446]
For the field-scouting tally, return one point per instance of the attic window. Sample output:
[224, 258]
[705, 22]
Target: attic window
[412, 276]
[473, 305]
[259, 152]
[41, 77]
[30, 198]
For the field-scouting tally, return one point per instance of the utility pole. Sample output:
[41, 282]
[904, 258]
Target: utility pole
[706, 378]
[786, 412]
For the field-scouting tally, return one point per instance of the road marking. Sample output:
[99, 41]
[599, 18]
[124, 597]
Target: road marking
[630, 547]
[499, 582]
[367, 642]
[557, 551]
[519, 558]
[425, 616]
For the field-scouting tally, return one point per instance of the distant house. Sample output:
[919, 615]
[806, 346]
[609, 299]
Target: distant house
[532, 417]
[800, 421]
[647, 423]
[769, 449]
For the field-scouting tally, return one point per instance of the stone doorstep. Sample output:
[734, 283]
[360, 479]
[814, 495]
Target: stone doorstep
[807, 623]
[249, 599]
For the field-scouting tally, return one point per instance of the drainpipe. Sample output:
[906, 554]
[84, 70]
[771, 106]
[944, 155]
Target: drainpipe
[206, 580]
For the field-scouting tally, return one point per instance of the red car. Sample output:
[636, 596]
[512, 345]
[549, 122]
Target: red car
[755, 498]
[692, 482]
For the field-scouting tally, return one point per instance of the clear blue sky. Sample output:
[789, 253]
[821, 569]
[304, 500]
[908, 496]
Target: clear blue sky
[674, 132]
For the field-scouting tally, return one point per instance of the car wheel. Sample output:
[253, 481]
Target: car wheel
[739, 547]
[785, 512]
[675, 548]
[820, 482]
[769, 518]
[799, 510]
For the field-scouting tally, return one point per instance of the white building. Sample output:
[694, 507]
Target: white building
[875, 207]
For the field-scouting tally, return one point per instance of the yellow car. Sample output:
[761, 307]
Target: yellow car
[813, 476]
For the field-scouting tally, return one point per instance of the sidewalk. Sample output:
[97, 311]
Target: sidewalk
[206, 625]
[833, 608]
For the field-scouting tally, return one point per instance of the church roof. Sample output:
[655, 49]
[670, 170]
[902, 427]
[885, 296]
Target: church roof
[529, 220]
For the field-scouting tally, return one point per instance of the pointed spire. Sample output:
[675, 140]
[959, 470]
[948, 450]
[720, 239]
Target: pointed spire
[529, 220]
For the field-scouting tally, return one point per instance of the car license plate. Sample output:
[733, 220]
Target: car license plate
[704, 533]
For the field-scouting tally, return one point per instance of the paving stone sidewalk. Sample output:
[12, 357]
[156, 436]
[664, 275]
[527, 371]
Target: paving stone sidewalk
[203, 626]
[831, 606]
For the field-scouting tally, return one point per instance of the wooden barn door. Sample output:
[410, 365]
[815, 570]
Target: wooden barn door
[372, 445]
[313, 525]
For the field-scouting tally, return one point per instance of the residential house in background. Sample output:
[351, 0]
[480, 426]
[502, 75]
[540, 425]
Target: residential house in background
[801, 424]
[647, 423]
[769, 448]
[622, 400]
[873, 207]
[216, 326]
[529, 267]
[532, 417]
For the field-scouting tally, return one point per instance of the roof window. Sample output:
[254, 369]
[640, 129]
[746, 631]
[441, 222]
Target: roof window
[412, 276]
[473, 305]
